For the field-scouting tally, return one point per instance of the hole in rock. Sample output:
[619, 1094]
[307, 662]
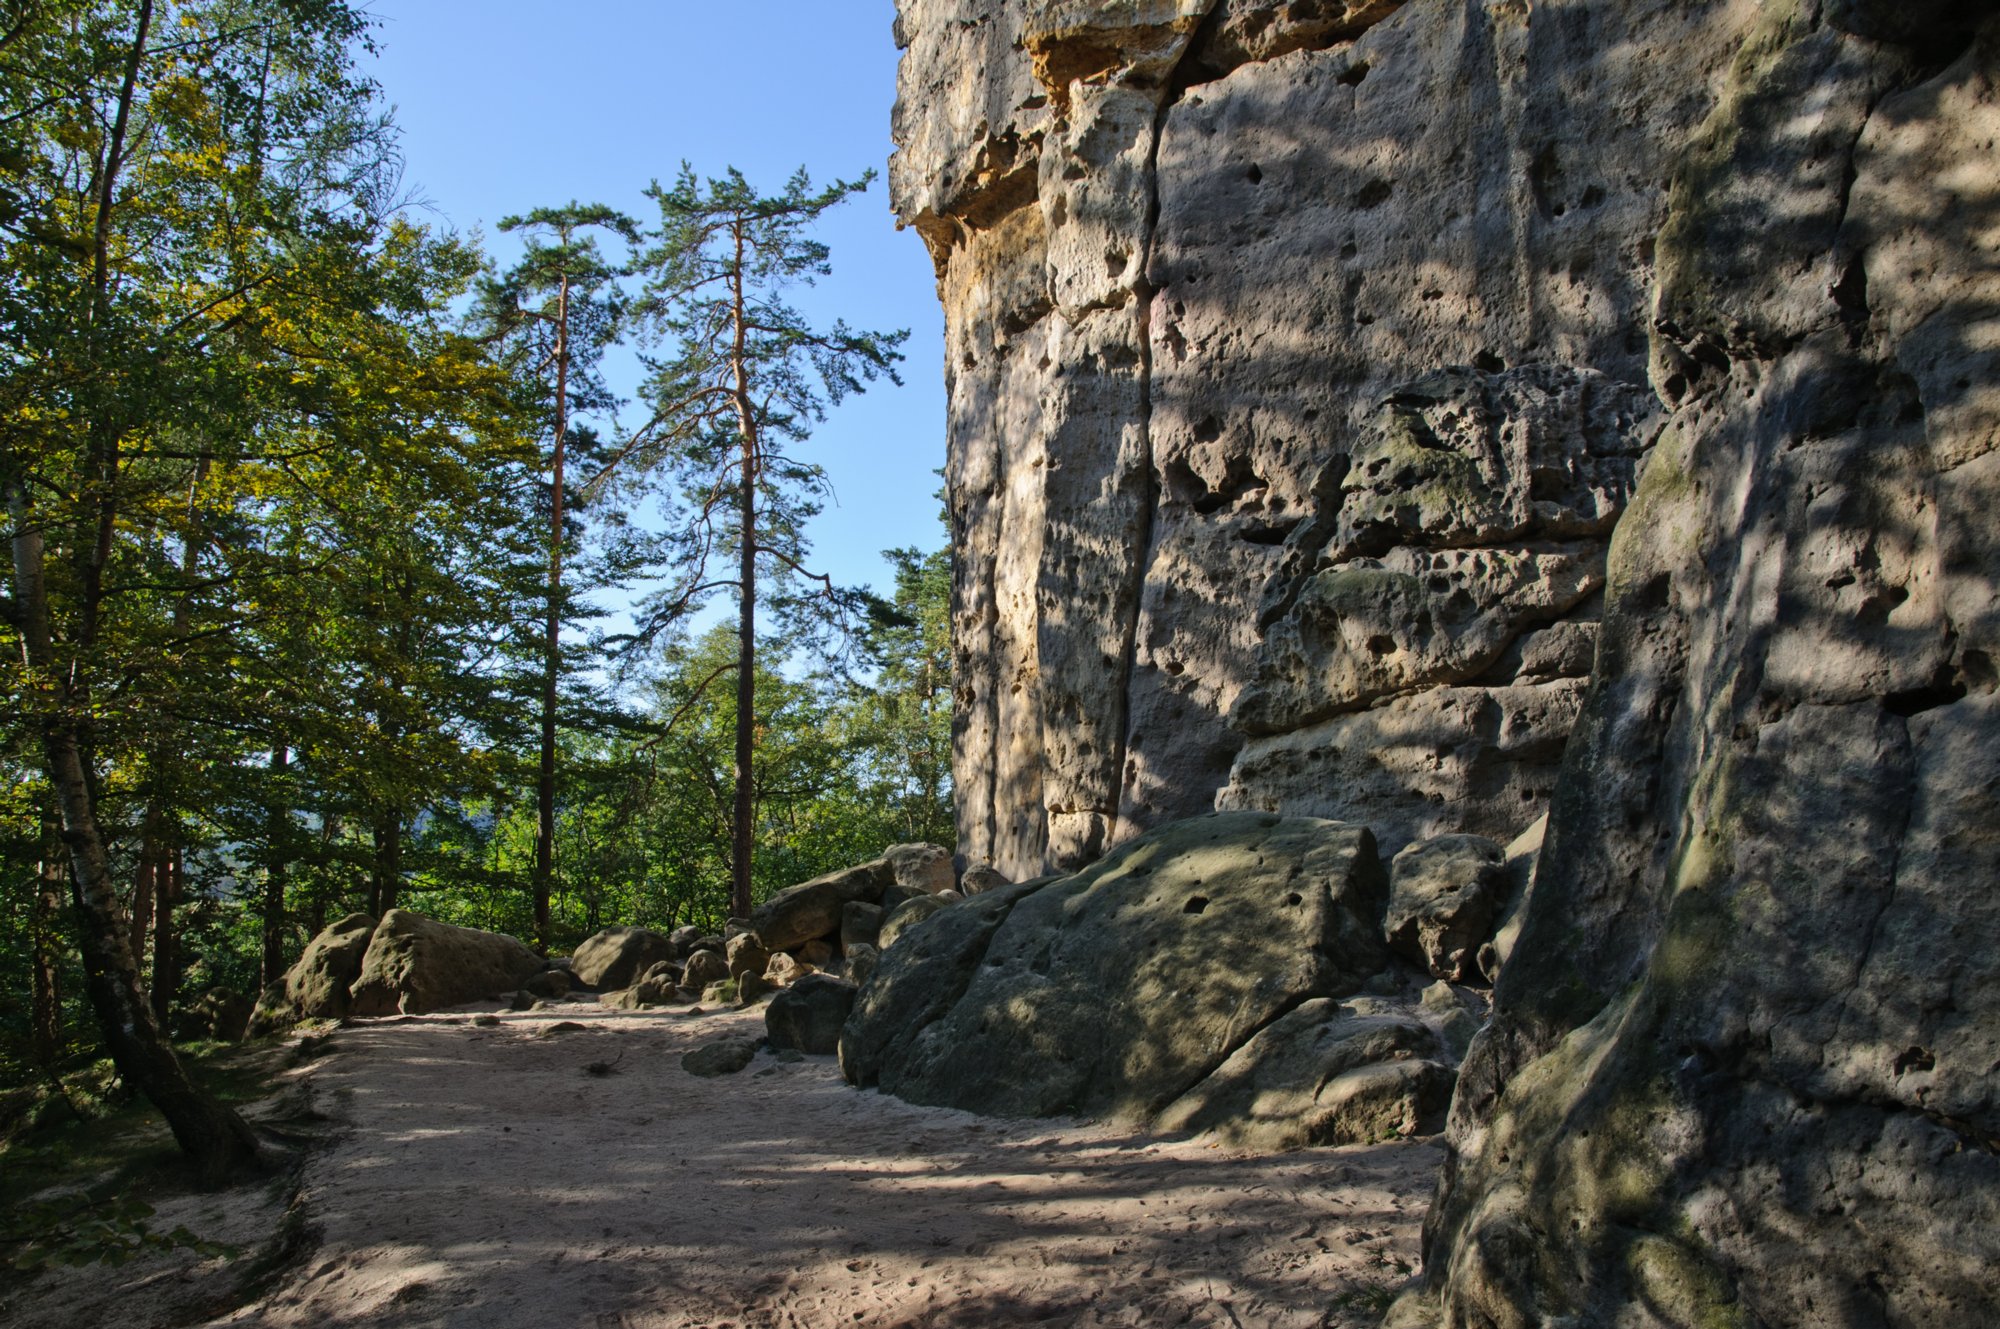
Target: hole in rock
[1915, 1059]
[1195, 904]
[1255, 175]
[1488, 363]
[1374, 194]
[1295, 899]
[1352, 78]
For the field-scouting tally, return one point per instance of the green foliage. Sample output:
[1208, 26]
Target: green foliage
[292, 517]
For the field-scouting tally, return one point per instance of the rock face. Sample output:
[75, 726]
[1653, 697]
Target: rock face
[1431, 415]
[415, 964]
[1115, 990]
[1743, 1044]
[1294, 394]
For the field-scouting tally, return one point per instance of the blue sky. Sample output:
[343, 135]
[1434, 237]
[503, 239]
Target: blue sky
[506, 105]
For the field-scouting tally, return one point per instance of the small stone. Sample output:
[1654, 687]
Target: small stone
[725, 1056]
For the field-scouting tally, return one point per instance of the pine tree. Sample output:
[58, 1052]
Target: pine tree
[557, 310]
[743, 374]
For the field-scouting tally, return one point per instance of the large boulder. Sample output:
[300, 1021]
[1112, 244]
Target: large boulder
[416, 964]
[745, 954]
[799, 914]
[616, 957]
[221, 1014]
[813, 909]
[1114, 991]
[1445, 894]
[809, 1014]
[927, 867]
[319, 984]
[703, 968]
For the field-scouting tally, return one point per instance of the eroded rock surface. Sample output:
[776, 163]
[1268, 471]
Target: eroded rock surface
[1292, 375]
[1436, 415]
[1113, 991]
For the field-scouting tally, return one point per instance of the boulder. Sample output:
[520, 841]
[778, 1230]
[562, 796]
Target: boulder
[684, 940]
[319, 985]
[652, 991]
[860, 925]
[615, 957]
[725, 1056]
[981, 877]
[416, 964]
[861, 961]
[663, 971]
[551, 984]
[809, 1014]
[752, 987]
[906, 916]
[1322, 1074]
[1444, 897]
[746, 954]
[813, 909]
[720, 994]
[925, 867]
[704, 967]
[785, 970]
[817, 953]
[1113, 991]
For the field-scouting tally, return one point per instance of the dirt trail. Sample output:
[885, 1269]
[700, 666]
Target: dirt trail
[482, 1178]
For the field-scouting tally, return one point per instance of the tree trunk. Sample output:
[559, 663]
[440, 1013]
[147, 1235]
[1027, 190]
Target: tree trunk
[171, 889]
[545, 784]
[216, 1141]
[743, 828]
[144, 886]
[45, 1023]
[387, 882]
[277, 869]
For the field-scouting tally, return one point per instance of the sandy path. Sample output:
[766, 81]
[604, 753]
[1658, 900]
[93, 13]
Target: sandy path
[483, 1179]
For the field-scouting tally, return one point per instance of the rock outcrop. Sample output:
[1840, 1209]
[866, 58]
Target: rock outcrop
[1117, 990]
[1434, 415]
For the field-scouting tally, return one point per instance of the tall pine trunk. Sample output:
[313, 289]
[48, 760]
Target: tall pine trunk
[743, 828]
[545, 784]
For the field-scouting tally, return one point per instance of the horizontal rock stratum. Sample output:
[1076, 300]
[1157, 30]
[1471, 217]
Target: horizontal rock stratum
[1430, 415]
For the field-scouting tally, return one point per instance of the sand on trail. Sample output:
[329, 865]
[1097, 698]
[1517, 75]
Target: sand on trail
[481, 1178]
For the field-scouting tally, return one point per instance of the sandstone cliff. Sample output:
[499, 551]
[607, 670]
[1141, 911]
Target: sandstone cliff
[1432, 414]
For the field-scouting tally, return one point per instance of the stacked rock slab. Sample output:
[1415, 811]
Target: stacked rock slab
[1432, 414]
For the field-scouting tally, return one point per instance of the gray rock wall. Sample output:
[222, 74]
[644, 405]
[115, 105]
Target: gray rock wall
[1298, 375]
[1430, 414]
